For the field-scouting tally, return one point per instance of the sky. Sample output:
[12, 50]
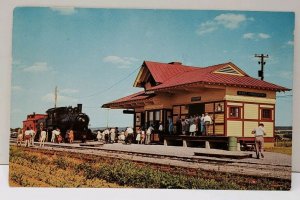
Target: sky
[93, 55]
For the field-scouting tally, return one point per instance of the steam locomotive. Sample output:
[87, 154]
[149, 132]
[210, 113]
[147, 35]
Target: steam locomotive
[66, 118]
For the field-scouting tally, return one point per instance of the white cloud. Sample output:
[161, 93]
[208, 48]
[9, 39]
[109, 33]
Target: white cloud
[229, 21]
[256, 36]
[64, 10]
[248, 36]
[291, 43]
[37, 67]
[263, 36]
[61, 99]
[207, 27]
[121, 62]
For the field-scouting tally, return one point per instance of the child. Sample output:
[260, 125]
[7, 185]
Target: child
[20, 137]
[59, 139]
[142, 137]
[71, 136]
[138, 136]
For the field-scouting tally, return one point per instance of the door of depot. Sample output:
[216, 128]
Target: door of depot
[196, 109]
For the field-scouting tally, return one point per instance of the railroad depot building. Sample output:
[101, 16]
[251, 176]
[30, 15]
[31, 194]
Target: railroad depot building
[236, 102]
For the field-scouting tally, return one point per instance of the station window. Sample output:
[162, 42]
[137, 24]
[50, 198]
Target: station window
[157, 115]
[234, 112]
[151, 116]
[266, 114]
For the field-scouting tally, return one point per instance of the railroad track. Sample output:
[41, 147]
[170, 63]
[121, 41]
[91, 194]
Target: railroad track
[210, 164]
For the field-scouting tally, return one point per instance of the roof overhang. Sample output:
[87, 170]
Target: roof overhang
[132, 101]
[278, 89]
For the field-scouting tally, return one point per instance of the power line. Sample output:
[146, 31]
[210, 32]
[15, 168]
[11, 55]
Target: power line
[110, 87]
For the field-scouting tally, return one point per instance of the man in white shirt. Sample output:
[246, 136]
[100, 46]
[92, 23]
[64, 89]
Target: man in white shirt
[129, 136]
[207, 122]
[106, 135]
[148, 134]
[43, 137]
[27, 136]
[112, 135]
[99, 135]
[259, 134]
[55, 134]
[32, 133]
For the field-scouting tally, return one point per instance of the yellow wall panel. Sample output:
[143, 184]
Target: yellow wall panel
[269, 128]
[180, 98]
[234, 128]
[219, 129]
[248, 128]
[249, 99]
[219, 118]
[251, 111]
[209, 107]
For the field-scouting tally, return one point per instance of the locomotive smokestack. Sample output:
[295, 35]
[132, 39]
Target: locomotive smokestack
[79, 106]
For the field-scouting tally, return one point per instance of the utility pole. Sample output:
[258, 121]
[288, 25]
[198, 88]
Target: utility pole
[262, 63]
[55, 97]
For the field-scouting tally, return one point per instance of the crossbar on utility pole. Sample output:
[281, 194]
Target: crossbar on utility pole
[262, 63]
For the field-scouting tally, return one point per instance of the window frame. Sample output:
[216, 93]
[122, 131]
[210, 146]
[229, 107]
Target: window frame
[239, 112]
[266, 119]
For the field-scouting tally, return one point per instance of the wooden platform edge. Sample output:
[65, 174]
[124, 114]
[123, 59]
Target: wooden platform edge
[218, 155]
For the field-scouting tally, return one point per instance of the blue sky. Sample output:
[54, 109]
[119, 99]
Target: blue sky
[86, 51]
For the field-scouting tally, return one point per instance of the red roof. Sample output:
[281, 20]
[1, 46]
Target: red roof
[133, 97]
[205, 75]
[162, 72]
[170, 75]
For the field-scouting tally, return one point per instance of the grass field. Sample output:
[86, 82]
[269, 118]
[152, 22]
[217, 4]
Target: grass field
[45, 168]
[283, 150]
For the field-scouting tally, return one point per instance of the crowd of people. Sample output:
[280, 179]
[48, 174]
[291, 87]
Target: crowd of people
[128, 136]
[193, 125]
[29, 135]
[190, 125]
